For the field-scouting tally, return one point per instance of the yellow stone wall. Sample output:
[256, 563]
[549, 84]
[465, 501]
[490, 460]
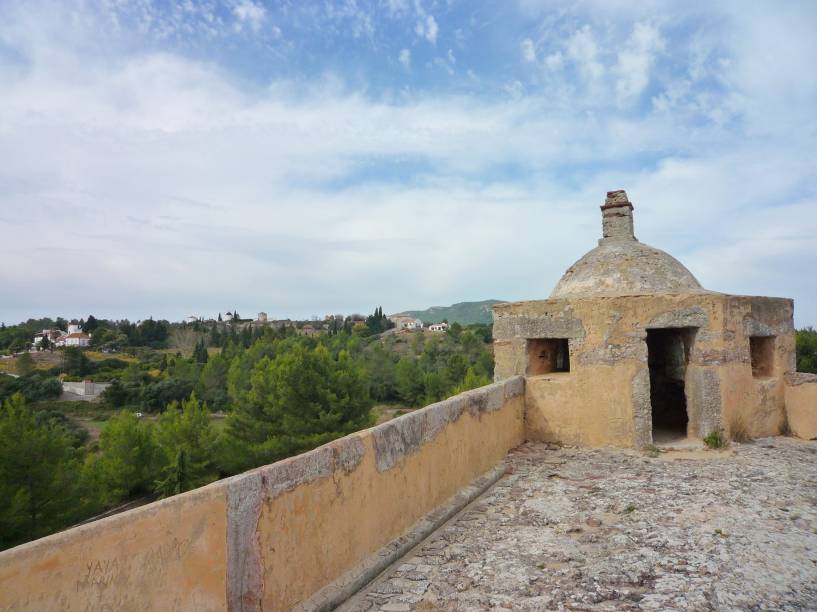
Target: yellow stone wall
[169, 555]
[314, 533]
[604, 399]
[270, 538]
[801, 405]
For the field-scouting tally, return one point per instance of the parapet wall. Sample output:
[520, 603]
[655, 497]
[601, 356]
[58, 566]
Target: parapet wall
[272, 537]
[801, 404]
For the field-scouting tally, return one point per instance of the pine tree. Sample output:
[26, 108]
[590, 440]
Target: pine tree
[298, 400]
[177, 479]
[187, 442]
[128, 456]
[200, 352]
[38, 464]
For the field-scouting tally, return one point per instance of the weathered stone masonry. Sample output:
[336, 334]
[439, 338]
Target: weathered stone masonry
[718, 362]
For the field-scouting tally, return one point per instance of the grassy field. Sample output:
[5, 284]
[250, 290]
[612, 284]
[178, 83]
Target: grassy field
[93, 426]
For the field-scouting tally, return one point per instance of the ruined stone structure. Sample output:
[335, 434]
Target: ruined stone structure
[628, 349]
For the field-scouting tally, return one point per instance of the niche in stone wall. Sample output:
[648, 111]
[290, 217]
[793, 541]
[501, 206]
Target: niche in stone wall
[546, 355]
[761, 349]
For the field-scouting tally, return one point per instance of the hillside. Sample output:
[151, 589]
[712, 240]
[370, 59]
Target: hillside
[463, 312]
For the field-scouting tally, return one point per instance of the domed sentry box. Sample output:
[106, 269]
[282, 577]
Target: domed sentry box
[630, 350]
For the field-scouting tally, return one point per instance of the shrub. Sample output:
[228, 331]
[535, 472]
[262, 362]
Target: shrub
[716, 439]
[739, 430]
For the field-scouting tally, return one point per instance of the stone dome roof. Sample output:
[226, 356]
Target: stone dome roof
[621, 265]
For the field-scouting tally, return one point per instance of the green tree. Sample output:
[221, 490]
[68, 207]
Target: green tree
[177, 478]
[90, 325]
[454, 330]
[456, 368]
[75, 363]
[300, 399]
[409, 380]
[377, 322]
[200, 352]
[806, 350]
[33, 388]
[24, 364]
[120, 394]
[156, 396]
[187, 443]
[380, 367]
[37, 468]
[434, 387]
[128, 458]
[212, 386]
[472, 380]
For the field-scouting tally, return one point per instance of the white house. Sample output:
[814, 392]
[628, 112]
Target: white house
[438, 327]
[51, 334]
[406, 322]
[73, 337]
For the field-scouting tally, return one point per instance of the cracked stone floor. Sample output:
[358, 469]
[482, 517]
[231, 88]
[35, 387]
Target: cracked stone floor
[608, 529]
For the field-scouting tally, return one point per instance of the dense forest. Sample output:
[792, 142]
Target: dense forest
[172, 420]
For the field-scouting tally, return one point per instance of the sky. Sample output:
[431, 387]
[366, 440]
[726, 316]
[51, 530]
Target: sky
[301, 158]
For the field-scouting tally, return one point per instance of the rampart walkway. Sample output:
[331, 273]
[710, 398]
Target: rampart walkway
[617, 530]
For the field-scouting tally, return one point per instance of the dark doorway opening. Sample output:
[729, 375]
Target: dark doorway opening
[668, 356]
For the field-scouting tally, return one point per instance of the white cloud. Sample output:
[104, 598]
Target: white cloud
[248, 197]
[431, 29]
[636, 60]
[427, 28]
[554, 61]
[397, 7]
[514, 89]
[250, 13]
[583, 50]
[528, 50]
[451, 59]
[405, 58]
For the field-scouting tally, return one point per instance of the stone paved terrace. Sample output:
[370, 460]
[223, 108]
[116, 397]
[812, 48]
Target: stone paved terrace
[617, 530]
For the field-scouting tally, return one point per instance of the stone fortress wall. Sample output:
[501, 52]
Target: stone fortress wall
[801, 404]
[305, 531]
[604, 398]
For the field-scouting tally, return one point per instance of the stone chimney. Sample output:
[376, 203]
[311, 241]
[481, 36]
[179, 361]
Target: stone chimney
[617, 217]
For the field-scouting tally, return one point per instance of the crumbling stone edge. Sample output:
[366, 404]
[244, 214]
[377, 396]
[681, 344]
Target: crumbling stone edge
[794, 379]
[393, 441]
[400, 437]
[246, 493]
[342, 589]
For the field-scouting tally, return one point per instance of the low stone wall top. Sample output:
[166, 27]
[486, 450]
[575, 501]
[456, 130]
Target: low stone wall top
[270, 538]
[799, 378]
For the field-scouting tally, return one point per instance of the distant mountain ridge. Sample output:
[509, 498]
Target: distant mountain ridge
[464, 313]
